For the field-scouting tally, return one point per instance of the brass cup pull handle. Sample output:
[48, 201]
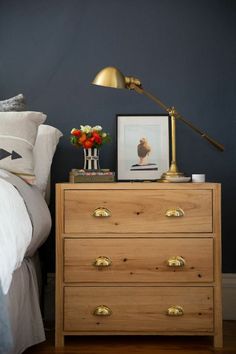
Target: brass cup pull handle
[175, 311]
[102, 310]
[101, 212]
[102, 261]
[175, 212]
[177, 261]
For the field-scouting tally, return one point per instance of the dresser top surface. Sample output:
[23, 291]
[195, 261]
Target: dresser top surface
[138, 185]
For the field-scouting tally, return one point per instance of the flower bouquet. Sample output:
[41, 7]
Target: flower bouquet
[90, 139]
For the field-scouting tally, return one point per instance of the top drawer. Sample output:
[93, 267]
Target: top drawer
[138, 211]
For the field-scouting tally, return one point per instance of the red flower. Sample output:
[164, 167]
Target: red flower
[97, 138]
[87, 144]
[76, 132]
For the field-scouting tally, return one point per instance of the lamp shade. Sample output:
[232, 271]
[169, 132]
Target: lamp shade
[110, 77]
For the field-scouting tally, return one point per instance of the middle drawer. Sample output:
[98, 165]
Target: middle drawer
[139, 260]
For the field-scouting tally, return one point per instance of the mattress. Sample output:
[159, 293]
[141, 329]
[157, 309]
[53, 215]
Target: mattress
[21, 322]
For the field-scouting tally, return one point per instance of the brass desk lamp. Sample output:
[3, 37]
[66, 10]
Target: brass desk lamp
[112, 77]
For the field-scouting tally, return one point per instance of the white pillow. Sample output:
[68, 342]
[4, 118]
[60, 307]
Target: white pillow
[44, 149]
[18, 131]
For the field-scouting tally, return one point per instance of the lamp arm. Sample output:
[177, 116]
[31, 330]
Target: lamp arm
[204, 135]
[140, 90]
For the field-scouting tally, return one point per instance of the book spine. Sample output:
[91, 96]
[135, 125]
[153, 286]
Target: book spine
[90, 179]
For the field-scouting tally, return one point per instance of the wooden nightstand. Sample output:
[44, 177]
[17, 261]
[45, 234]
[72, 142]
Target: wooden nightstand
[138, 258]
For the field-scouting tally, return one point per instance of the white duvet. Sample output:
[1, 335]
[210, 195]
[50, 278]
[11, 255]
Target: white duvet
[15, 232]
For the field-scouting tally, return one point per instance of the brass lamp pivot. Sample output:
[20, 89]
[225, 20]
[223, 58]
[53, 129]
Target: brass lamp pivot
[113, 77]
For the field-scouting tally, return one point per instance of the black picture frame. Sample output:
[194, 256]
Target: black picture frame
[142, 146]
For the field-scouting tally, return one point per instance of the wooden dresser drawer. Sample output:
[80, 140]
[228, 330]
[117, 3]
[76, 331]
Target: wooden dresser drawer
[138, 211]
[138, 309]
[139, 260]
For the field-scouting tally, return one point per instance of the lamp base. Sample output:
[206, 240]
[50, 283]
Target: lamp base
[172, 173]
[167, 176]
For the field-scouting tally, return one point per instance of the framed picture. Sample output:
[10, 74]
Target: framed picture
[142, 147]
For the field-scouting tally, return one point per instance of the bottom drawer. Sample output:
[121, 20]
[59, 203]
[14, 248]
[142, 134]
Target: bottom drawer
[138, 309]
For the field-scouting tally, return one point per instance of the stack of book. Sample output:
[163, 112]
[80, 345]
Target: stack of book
[91, 176]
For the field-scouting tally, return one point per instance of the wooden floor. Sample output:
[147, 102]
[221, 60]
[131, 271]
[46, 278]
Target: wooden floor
[139, 344]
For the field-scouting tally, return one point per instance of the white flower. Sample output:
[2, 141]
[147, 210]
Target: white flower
[104, 135]
[97, 128]
[85, 129]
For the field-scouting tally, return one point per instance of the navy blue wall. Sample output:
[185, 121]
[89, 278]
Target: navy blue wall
[184, 51]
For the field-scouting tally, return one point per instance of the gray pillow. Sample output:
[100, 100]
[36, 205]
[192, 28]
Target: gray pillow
[16, 103]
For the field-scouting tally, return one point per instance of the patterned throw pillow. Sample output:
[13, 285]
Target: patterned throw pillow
[16, 103]
[18, 131]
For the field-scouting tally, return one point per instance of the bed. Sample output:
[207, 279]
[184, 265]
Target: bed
[21, 321]
[27, 147]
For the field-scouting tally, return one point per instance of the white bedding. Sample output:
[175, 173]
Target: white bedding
[15, 232]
